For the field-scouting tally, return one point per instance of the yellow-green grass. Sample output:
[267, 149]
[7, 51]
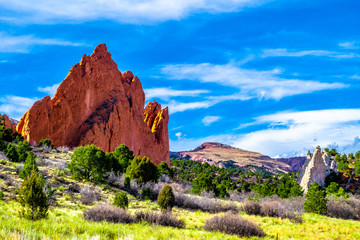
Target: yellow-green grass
[66, 222]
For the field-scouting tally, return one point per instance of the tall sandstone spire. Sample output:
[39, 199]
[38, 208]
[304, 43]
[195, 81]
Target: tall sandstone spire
[97, 104]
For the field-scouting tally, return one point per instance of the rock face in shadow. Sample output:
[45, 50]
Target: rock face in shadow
[316, 168]
[97, 104]
[8, 123]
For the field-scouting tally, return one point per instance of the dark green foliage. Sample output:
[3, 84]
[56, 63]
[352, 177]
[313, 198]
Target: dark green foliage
[121, 200]
[124, 156]
[343, 167]
[202, 183]
[32, 198]
[23, 149]
[127, 181]
[2, 145]
[146, 194]
[89, 163]
[315, 200]
[164, 169]
[2, 196]
[29, 166]
[221, 191]
[12, 153]
[334, 189]
[166, 198]
[142, 170]
[45, 142]
[331, 152]
[357, 155]
[357, 168]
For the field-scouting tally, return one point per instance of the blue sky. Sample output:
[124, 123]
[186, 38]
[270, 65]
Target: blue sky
[274, 76]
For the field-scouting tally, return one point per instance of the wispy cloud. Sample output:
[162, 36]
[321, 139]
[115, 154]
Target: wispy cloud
[167, 93]
[284, 52]
[50, 90]
[208, 120]
[175, 106]
[128, 11]
[356, 76]
[23, 43]
[251, 83]
[350, 45]
[290, 132]
[15, 106]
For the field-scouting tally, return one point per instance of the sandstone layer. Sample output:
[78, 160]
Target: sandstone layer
[97, 104]
[8, 123]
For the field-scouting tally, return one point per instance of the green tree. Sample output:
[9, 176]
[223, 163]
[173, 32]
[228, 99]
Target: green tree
[202, 183]
[45, 142]
[164, 169]
[33, 200]
[12, 153]
[89, 163]
[142, 170]
[122, 158]
[121, 200]
[221, 191]
[23, 149]
[357, 155]
[127, 182]
[296, 190]
[315, 200]
[29, 166]
[333, 188]
[357, 168]
[166, 198]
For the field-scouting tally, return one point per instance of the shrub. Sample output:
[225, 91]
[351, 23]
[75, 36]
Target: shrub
[23, 149]
[88, 196]
[121, 200]
[127, 182]
[163, 219]
[89, 163]
[335, 190]
[30, 165]
[2, 196]
[164, 169]
[142, 170]
[12, 153]
[234, 225]
[45, 142]
[32, 198]
[252, 208]
[166, 198]
[344, 209]
[109, 213]
[202, 183]
[275, 209]
[315, 200]
[121, 158]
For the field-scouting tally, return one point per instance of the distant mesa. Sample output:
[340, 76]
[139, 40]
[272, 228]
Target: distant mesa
[317, 167]
[97, 104]
[226, 156]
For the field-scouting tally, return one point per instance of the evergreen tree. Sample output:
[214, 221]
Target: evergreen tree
[45, 142]
[33, 200]
[123, 157]
[164, 169]
[202, 183]
[315, 200]
[166, 198]
[29, 166]
[89, 163]
[296, 190]
[121, 200]
[12, 153]
[142, 170]
[23, 149]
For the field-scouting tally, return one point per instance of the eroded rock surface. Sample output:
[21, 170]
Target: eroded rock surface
[8, 123]
[97, 104]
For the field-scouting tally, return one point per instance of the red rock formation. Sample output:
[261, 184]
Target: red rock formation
[8, 123]
[97, 104]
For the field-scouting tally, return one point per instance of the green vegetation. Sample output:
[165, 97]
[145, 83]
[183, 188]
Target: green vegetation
[29, 166]
[32, 198]
[166, 198]
[334, 189]
[315, 200]
[121, 200]
[142, 170]
[45, 142]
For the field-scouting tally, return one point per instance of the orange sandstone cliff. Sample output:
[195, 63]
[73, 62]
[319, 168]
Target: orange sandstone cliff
[8, 123]
[97, 104]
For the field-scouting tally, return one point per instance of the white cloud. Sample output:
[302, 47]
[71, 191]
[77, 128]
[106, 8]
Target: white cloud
[128, 11]
[3, 61]
[51, 90]
[166, 93]
[356, 76]
[208, 120]
[350, 45]
[252, 83]
[14, 106]
[283, 52]
[293, 132]
[23, 43]
[175, 106]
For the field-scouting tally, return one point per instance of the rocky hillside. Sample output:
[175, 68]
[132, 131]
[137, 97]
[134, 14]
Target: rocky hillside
[97, 104]
[222, 155]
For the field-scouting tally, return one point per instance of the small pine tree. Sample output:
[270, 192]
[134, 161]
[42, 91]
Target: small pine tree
[315, 200]
[32, 198]
[142, 170]
[12, 153]
[121, 200]
[30, 164]
[127, 182]
[166, 198]
[164, 169]
[333, 188]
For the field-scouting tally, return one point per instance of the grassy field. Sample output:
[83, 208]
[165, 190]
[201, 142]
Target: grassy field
[66, 222]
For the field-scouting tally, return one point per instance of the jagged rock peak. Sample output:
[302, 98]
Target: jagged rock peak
[97, 104]
[8, 123]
